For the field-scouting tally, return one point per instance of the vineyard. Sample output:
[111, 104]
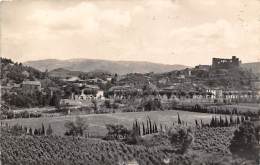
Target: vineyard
[74, 150]
[213, 140]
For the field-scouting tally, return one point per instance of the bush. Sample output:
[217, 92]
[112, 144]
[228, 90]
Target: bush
[116, 132]
[244, 141]
[181, 138]
[76, 128]
[152, 104]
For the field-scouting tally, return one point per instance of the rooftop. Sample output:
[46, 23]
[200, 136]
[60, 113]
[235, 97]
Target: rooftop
[31, 83]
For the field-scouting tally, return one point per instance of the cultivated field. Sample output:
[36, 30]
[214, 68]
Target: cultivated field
[97, 122]
[210, 146]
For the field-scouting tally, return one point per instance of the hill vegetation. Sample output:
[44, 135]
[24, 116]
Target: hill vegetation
[254, 66]
[17, 72]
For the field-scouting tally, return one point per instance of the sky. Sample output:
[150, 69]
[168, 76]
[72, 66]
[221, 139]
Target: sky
[187, 32]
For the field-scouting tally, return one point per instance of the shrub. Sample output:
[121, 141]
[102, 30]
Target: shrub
[76, 128]
[116, 132]
[181, 138]
[244, 141]
[49, 130]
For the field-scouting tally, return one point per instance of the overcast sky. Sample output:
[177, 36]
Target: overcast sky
[187, 32]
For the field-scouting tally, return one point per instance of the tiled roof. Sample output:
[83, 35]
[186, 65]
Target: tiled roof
[31, 82]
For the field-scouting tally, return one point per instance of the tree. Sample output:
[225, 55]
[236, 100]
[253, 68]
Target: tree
[181, 138]
[242, 119]
[76, 128]
[238, 120]
[95, 106]
[226, 124]
[143, 129]
[231, 120]
[30, 131]
[134, 136]
[55, 100]
[179, 119]
[196, 122]
[107, 104]
[49, 130]
[244, 141]
[35, 132]
[42, 130]
[212, 122]
[116, 131]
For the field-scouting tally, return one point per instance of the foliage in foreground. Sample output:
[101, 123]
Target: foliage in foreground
[245, 141]
[76, 128]
[75, 150]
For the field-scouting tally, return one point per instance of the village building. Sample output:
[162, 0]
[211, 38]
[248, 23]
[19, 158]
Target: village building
[89, 92]
[123, 92]
[31, 87]
[214, 93]
[72, 79]
[5, 89]
[26, 74]
[9, 88]
[202, 67]
[257, 89]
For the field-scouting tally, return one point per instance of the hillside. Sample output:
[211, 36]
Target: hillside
[17, 72]
[255, 66]
[63, 73]
[87, 65]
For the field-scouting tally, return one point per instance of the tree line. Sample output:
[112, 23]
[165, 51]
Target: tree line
[24, 130]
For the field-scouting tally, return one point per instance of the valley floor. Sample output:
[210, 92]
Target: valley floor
[97, 122]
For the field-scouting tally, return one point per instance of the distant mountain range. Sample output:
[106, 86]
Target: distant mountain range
[89, 65]
[120, 67]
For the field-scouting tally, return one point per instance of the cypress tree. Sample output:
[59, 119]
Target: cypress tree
[136, 123]
[246, 118]
[43, 130]
[25, 130]
[242, 119]
[49, 130]
[221, 123]
[150, 125]
[147, 127]
[153, 129]
[231, 120]
[216, 121]
[226, 122]
[139, 129]
[212, 122]
[238, 120]
[30, 131]
[143, 129]
[35, 132]
[196, 122]
[179, 120]
[155, 126]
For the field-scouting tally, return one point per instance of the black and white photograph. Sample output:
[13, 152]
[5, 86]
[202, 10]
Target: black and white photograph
[130, 82]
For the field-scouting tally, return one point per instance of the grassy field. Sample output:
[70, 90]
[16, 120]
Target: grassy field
[97, 122]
